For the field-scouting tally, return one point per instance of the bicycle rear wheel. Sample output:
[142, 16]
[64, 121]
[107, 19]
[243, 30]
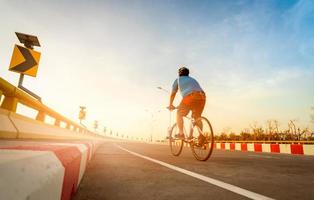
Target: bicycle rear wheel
[203, 139]
[175, 143]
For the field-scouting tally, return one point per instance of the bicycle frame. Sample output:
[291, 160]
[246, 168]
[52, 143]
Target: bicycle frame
[190, 120]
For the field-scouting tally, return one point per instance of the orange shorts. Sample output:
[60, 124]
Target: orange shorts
[194, 102]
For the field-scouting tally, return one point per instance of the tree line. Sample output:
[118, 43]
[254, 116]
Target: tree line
[271, 132]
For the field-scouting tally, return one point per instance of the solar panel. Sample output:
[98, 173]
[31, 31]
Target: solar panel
[28, 40]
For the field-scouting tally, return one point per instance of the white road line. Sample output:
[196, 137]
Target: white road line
[232, 188]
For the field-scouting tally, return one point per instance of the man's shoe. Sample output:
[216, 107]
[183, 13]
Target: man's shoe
[201, 139]
[180, 136]
[190, 138]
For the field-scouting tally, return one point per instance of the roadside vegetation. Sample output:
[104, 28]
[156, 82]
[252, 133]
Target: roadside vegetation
[271, 132]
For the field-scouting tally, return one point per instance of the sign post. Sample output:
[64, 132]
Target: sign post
[95, 125]
[82, 115]
[25, 60]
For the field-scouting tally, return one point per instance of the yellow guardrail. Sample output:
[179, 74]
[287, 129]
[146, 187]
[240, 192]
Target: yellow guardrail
[13, 96]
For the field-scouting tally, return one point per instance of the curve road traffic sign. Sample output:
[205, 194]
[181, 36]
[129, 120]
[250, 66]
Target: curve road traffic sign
[24, 61]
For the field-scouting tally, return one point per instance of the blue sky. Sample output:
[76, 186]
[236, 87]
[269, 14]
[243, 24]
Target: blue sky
[254, 59]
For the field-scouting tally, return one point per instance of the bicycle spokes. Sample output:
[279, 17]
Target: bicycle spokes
[202, 144]
[175, 143]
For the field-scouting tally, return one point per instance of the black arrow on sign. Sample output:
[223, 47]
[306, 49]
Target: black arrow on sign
[28, 63]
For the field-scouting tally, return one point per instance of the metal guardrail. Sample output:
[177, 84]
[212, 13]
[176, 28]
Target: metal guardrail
[13, 96]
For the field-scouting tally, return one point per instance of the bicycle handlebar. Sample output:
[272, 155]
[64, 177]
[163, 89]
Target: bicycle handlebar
[174, 108]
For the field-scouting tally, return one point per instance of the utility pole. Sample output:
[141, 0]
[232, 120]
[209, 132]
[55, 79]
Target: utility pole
[96, 125]
[105, 130]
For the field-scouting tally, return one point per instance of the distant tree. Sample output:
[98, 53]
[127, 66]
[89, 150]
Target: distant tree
[245, 135]
[276, 126]
[278, 133]
[304, 134]
[223, 136]
[258, 132]
[311, 136]
[272, 130]
[296, 132]
[216, 137]
[234, 137]
[286, 135]
[246, 130]
[269, 129]
[292, 129]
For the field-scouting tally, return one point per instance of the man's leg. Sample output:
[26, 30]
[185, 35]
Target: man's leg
[183, 110]
[180, 123]
[197, 110]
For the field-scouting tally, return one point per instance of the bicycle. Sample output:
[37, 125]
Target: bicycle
[202, 145]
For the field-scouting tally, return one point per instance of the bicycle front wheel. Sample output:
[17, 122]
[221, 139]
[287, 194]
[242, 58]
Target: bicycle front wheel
[175, 143]
[203, 139]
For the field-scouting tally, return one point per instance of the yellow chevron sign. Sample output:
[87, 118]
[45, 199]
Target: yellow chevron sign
[24, 61]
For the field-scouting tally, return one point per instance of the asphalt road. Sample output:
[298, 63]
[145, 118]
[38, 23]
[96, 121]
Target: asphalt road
[117, 174]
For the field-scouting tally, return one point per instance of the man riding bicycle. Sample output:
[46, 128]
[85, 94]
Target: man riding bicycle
[193, 98]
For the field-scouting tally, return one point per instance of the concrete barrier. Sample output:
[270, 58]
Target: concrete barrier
[30, 175]
[43, 170]
[265, 148]
[227, 146]
[308, 149]
[232, 146]
[297, 149]
[274, 148]
[238, 146]
[7, 128]
[284, 148]
[250, 147]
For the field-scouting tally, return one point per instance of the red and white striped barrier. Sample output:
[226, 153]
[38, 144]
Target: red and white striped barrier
[43, 170]
[298, 149]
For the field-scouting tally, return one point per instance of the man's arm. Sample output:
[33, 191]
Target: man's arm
[172, 96]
